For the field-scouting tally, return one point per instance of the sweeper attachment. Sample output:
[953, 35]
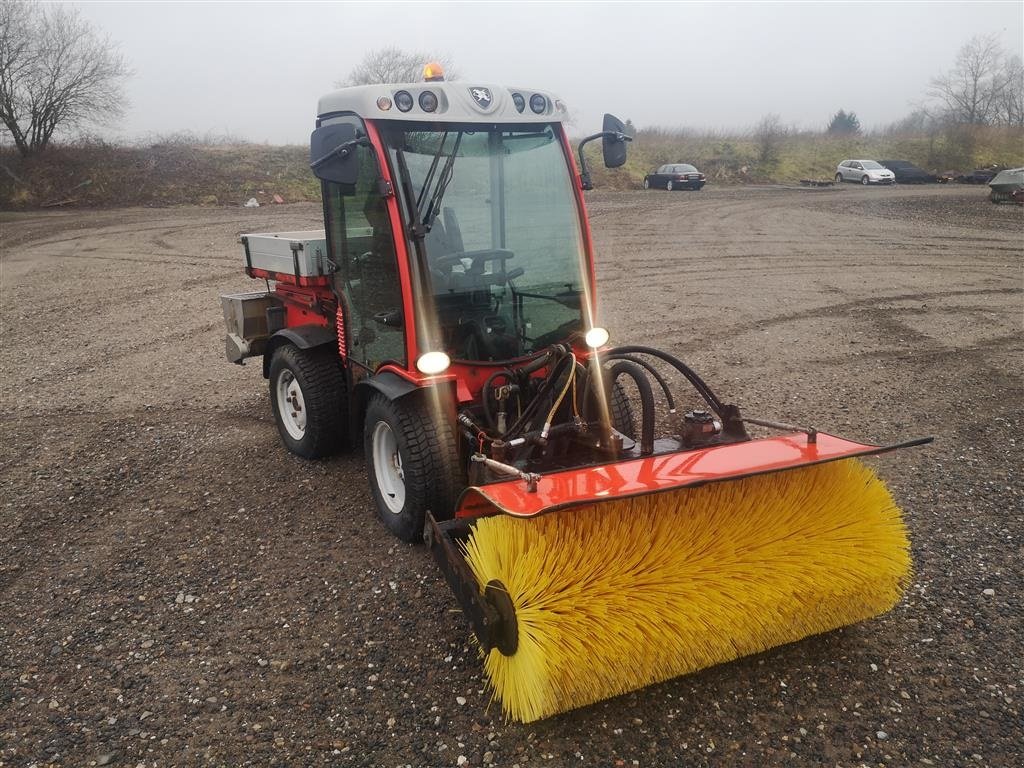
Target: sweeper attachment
[445, 319]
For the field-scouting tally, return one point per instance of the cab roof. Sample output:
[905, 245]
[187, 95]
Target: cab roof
[457, 102]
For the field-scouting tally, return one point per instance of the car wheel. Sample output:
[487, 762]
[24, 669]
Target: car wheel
[307, 396]
[839, 178]
[647, 183]
[865, 180]
[668, 186]
[413, 464]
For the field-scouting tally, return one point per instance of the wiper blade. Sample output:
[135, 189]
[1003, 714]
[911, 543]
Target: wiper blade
[430, 175]
[434, 206]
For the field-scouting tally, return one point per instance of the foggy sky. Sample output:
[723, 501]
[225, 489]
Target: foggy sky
[255, 71]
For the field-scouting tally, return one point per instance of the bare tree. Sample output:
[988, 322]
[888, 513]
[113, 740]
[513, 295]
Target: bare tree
[393, 65]
[768, 133]
[973, 88]
[56, 72]
[1010, 102]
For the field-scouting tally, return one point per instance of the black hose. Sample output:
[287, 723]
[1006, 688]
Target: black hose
[654, 372]
[698, 383]
[636, 373]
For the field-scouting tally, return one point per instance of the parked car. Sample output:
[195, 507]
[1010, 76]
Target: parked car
[864, 171]
[675, 176]
[908, 173]
[979, 175]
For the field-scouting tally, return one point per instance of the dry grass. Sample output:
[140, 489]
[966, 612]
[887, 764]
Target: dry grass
[184, 169]
[733, 158]
[177, 170]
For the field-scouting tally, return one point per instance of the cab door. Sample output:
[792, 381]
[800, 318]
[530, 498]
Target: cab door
[366, 279]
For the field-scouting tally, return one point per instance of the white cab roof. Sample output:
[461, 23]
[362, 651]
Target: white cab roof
[465, 102]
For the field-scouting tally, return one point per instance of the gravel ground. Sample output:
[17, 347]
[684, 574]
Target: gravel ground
[176, 589]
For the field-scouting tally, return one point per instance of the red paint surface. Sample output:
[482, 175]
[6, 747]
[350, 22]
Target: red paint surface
[655, 474]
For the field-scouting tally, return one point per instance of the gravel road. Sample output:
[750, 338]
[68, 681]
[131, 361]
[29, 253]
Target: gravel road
[176, 589]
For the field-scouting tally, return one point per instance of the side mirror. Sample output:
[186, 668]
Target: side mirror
[613, 144]
[613, 141]
[332, 153]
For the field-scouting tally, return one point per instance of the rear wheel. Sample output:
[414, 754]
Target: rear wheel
[865, 180]
[839, 178]
[307, 396]
[412, 464]
[668, 186]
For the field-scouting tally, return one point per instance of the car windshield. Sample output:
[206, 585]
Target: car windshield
[503, 243]
[871, 165]
[685, 168]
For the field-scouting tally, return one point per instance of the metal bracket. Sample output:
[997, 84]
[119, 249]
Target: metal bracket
[530, 478]
[811, 432]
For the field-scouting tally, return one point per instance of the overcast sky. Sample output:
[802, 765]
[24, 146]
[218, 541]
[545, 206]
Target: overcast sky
[255, 71]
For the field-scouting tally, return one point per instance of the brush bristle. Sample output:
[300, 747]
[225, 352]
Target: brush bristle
[615, 596]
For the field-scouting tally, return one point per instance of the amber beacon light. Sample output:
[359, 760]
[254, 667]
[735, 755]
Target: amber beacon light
[433, 73]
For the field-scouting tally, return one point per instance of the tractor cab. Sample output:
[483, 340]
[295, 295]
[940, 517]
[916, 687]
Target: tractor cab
[454, 222]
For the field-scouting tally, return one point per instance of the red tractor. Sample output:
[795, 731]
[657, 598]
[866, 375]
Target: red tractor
[446, 319]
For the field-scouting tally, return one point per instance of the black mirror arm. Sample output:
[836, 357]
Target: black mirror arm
[585, 181]
[342, 150]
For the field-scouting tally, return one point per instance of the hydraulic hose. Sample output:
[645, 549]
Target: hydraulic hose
[636, 373]
[531, 409]
[698, 383]
[654, 372]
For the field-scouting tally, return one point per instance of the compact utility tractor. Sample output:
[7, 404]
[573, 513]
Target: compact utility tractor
[445, 319]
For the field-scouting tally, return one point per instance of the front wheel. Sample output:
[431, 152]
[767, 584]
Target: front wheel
[412, 463]
[307, 396]
[647, 183]
[865, 180]
[839, 178]
[668, 186]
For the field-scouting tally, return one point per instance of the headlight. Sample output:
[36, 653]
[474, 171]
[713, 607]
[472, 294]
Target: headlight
[433, 363]
[538, 103]
[428, 101]
[403, 100]
[596, 337]
[519, 101]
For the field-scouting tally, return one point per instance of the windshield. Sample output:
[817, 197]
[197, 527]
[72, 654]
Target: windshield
[871, 165]
[503, 245]
[685, 169]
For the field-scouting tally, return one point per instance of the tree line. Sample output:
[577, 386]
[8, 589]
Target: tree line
[57, 73]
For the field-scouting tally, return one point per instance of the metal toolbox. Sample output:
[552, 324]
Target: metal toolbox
[302, 254]
[246, 317]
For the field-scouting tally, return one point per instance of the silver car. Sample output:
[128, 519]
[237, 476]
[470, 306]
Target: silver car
[864, 171]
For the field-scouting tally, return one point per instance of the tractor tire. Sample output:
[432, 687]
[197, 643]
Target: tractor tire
[412, 463]
[309, 401]
[668, 185]
[839, 178]
[621, 412]
[865, 180]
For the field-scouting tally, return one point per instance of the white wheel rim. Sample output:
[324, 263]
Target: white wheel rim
[669, 186]
[387, 467]
[290, 405]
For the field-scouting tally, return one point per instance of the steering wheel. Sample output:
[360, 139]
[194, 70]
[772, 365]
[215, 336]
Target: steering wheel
[478, 258]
